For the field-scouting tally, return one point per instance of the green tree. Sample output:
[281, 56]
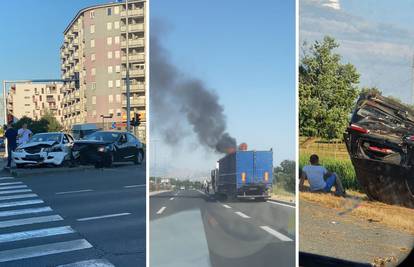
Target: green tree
[52, 123]
[327, 91]
[285, 175]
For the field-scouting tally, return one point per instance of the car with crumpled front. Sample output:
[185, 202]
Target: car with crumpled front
[103, 148]
[52, 148]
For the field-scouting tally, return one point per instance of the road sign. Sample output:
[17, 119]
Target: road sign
[113, 125]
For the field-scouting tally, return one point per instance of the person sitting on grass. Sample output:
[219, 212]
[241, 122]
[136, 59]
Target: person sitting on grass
[320, 179]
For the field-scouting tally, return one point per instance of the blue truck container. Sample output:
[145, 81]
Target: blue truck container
[244, 174]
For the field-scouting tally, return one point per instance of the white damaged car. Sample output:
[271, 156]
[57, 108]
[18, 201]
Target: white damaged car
[45, 148]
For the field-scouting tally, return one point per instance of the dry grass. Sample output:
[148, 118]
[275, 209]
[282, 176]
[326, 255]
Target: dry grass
[286, 198]
[335, 149]
[358, 205]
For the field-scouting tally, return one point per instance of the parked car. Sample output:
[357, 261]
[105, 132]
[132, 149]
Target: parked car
[80, 131]
[102, 148]
[45, 148]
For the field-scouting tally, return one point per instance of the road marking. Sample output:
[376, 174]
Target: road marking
[226, 206]
[276, 233]
[204, 193]
[6, 178]
[20, 203]
[73, 192]
[15, 191]
[33, 220]
[43, 250]
[172, 198]
[103, 217]
[135, 185]
[281, 204]
[161, 210]
[18, 196]
[241, 214]
[10, 237]
[24, 211]
[13, 187]
[89, 263]
[10, 183]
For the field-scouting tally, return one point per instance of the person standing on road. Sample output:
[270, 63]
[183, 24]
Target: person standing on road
[11, 136]
[24, 134]
[320, 179]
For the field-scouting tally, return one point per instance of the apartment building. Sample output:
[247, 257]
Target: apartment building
[33, 100]
[94, 51]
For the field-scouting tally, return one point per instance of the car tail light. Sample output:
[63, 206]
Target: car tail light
[266, 176]
[243, 176]
[358, 129]
[411, 138]
[381, 150]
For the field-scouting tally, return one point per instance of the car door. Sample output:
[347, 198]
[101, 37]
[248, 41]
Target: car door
[122, 145]
[132, 146]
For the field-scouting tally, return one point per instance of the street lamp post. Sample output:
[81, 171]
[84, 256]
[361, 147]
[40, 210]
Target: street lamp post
[128, 91]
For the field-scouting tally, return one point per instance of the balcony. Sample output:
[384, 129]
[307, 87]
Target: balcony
[136, 102]
[77, 94]
[133, 27]
[77, 107]
[75, 28]
[50, 99]
[76, 55]
[133, 43]
[133, 13]
[135, 88]
[134, 58]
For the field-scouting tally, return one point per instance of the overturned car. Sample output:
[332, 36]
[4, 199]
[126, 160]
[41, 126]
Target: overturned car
[380, 142]
[45, 149]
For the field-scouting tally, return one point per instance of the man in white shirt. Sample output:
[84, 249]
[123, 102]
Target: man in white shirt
[24, 135]
[320, 179]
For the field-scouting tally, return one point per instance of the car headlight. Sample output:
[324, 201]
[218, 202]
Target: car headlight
[52, 149]
[101, 149]
[19, 150]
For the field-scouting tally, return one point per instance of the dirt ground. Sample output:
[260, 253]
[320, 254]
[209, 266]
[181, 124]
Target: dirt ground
[355, 229]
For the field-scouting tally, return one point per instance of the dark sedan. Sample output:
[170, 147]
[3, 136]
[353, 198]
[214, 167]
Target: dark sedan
[103, 148]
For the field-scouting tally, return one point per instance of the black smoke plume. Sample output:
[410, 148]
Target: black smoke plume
[177, 99]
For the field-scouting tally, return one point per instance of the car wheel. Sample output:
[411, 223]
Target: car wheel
[109, 161]
[139, 157]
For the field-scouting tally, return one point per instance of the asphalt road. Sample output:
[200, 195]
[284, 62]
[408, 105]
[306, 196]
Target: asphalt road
[93, 217]
[189, 228]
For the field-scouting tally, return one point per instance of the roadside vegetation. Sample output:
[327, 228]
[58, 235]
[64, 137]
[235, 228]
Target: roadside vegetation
[47, 123]
[284, 181]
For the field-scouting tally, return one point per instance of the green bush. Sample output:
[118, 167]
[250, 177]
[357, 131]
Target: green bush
[343, 168]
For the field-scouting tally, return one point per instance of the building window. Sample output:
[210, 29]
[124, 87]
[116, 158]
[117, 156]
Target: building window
[110, 83]
[93, 57]
[109, 40]
[92, 28]
[92, 14]
[111, 112]
[94, 113]
[93, 85]
[109, 11]
[109, 54]
[118, 112]
[110, 70]
[116, 39]
[109, 26]
[118, 98]
[110, 99]
[116, 10]
[93, 100]
[92, 43]
[116, 25]
[117, 54]
[118, 83]
[117, 68]
[93, 71]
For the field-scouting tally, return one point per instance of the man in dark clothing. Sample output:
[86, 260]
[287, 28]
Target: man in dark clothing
[11, 136]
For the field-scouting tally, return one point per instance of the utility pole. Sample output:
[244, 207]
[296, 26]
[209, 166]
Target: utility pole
[128, 91]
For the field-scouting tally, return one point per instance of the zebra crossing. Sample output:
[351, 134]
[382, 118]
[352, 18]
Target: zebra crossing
[24, 217]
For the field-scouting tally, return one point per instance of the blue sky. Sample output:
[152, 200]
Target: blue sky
[32, 33]
[374, 35]
[245, 51]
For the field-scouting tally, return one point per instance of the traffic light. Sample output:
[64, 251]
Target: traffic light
[136, 120]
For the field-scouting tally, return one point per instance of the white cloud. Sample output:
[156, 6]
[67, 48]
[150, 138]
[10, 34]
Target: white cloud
[332, 4]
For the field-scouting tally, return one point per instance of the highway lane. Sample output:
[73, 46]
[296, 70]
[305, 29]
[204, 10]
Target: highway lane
[189, 228]
[94, 216]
